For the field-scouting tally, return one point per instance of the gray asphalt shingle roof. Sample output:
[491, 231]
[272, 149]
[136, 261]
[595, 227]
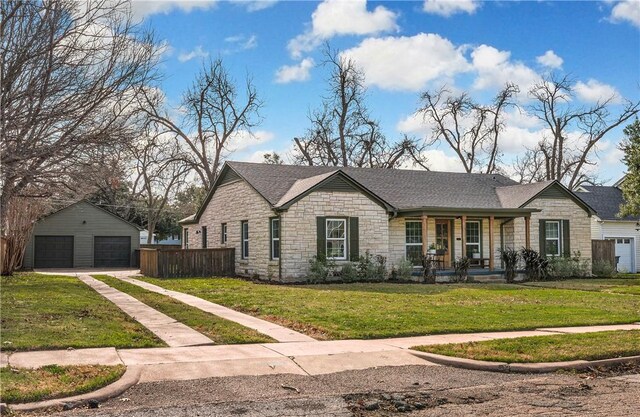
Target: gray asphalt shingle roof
[403, 189]
[606, 201]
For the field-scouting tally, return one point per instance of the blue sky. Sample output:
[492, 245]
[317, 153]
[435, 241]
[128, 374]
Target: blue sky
[404, 48]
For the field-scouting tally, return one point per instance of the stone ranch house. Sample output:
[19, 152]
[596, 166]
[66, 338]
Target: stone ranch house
[278, 217]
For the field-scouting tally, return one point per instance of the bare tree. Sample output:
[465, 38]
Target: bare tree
[571, 131]
[159, 174]
[70, 73]
[214, 114]
[471, 130]
[342, 132]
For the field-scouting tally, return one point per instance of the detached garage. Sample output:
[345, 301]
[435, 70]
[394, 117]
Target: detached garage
[82, 235]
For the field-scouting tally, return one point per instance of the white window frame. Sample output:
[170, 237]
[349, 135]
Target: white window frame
[223, 226]
[186, 238]
[476, 244]
[275, 239]
[406, 244]
[558, 239]
[327, 239]
[244, 239]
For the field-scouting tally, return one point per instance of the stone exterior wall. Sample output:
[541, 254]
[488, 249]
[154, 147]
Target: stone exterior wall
[557, 209]
[231, 204]
[299, 228]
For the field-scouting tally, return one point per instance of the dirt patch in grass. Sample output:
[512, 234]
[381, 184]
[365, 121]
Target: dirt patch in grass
[28, 385]
[555, 348]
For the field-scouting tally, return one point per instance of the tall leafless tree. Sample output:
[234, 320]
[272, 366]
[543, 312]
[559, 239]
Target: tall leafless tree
[470, 129]
[70, 73]
[342, 132]
[571, 131]
[215, 112]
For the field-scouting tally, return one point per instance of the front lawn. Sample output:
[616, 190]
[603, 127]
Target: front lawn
[219, 330]
[555, 348]
[56, 312]
[381, 310]
[622, 283]
[53, 381]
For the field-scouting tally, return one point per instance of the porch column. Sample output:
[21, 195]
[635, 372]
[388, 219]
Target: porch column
[527, 232]
[491, 262]
[463, 235]
[425, 235]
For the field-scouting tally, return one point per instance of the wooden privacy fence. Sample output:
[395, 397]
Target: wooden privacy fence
[183, 263]
[604, 250]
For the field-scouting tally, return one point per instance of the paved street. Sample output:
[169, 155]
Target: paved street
[437, 390]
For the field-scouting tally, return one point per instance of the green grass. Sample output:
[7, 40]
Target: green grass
[219, 330]
[53, 381]
[381, 310]
[56, 312]
[622, 283]
[556, 348]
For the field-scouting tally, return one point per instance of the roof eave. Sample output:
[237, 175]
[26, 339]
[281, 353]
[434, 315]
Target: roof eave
[449, 211]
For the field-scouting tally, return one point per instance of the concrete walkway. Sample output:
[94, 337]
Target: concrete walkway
[277, 332]
[304, 358]
[172, 332]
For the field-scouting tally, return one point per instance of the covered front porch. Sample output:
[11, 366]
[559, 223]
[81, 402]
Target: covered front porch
[449, 234]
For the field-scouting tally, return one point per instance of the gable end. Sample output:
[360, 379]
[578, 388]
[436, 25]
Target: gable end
[337, 183]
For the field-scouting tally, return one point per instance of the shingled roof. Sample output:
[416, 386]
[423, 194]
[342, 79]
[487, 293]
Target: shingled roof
[402, 190]
[606, 201]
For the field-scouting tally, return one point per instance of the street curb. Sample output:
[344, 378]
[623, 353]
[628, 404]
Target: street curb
[130, 377]
[541, 367]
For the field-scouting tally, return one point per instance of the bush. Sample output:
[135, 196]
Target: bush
[536, 266]
[404, 270]
[567, 267]
[461, 267]
[320, 268]
[509, 258]
[372, 268]
[348, 273]
[602, 268]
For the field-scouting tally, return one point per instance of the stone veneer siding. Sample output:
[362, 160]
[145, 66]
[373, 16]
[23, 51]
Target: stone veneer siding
[231, 204]
[299, 228]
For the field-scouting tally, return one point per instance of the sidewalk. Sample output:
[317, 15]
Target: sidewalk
[305, 358]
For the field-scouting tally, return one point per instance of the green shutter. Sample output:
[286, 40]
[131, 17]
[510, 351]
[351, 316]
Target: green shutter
[452, 225]
[543, 236]
[566, 238]
[481, 237]
[354, 239]
[321, 236]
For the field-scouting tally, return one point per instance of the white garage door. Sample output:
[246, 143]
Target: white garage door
[624, 249]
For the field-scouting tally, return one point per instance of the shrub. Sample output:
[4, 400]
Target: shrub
[602, 268]
[566, 267]
[509, 258]
[429, 266]
[536, 266]
[404, 270]
[461, 267]
[348, 273]
[372, 268]
[320, 268]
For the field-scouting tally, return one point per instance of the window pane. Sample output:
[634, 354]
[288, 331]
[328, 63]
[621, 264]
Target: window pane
[275, 228]
[335, 229]
[245, 248]
[552, 247]
[414, 254]
[552, 230]
[473, 232]
[335, 249]
[276, 249]
[413, 232]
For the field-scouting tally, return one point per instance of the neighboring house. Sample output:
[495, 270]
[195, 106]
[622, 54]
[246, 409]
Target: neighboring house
[171, 240]
[82, 235]
[278, 217]
[606, 224]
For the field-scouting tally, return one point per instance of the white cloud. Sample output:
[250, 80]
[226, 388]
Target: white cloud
[448, 8]
[197, 52]
[593, 91]
[291, 73]
[338, 17]
[414, 124]
[244, 139]
[143, 8]
[241, 42]
[495, 69]
[627, 10]
[408, 63]
[550, 60]
[255, 5]
[440, 161]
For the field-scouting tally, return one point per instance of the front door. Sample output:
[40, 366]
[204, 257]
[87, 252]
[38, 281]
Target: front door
[443, 241]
